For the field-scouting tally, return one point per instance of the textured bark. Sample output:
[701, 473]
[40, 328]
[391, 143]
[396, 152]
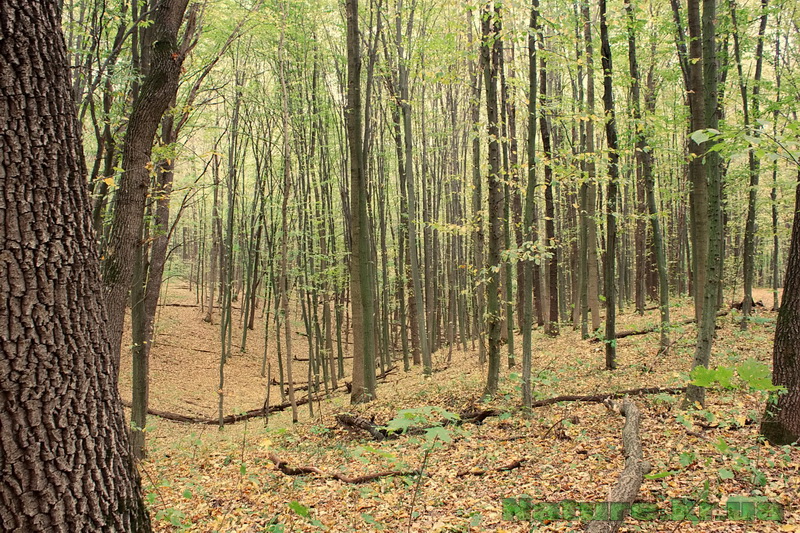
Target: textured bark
[781, 424]
[750, 113]
[158, 89]
[551, 322]
[411, 222]
[698, 198]
[477, 200]
[65, 462]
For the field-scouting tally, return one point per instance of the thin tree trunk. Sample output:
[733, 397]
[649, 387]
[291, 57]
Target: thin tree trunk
[611, 196]
[490, 53]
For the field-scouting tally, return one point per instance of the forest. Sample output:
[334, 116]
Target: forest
[412, 265]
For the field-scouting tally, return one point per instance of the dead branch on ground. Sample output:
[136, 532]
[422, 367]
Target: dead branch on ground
[632, 475]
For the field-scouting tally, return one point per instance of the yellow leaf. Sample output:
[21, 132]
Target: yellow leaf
[109, 181]
[265, 444]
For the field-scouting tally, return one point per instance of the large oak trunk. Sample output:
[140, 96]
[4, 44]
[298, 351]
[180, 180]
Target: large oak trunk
[65, 462]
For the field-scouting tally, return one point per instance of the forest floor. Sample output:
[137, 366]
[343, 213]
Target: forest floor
[198, 478]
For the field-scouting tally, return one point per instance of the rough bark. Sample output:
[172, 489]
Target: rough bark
[65, 461]
[781, 423]
[529, 266]
[551, 323]
[591, 189]
[750, 110]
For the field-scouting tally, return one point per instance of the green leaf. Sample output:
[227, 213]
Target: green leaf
[687, 458]
[660, 475]
[757, 375]
[439, 433]
[369, 519]
[187, 494]
[724, 473]
[299, 508]
[702, 376]
[721, 445]
[724, 375]
[699, 136]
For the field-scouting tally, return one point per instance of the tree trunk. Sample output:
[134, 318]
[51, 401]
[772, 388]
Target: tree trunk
[477, 201]
[490, 56]
[158, 89]
[64, 454]
[644, 156]
[529, 222]
[753, 164]
[593, 283]
[360, 285]
[413, 249]
[611, 196]
[711, 163]
[551, 323]
[781, 423]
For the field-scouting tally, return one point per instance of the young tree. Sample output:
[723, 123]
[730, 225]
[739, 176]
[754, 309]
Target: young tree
[64, 455]
[490, 58]
[529, 225]
[611, 194]
[360, 272]
[750, 108]
[157, 91]
[644, 159]
[713, 219]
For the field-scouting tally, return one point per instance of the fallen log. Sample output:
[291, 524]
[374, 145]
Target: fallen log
[650, 329]
[252, 413]
[176, 304]
[285, 468]
[505, 468]
[478, 416]
[632, 475]
[229, 419]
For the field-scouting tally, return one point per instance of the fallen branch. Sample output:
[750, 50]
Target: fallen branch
[252, 413]
[229, 419]
[478, 416]
[359, 422]
[650, 329]
[176, 304]
[284, 467]
[597, 398]
[631, 477]
[505, 468]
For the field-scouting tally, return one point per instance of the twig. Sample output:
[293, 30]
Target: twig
[517, 463]
[284, 467]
